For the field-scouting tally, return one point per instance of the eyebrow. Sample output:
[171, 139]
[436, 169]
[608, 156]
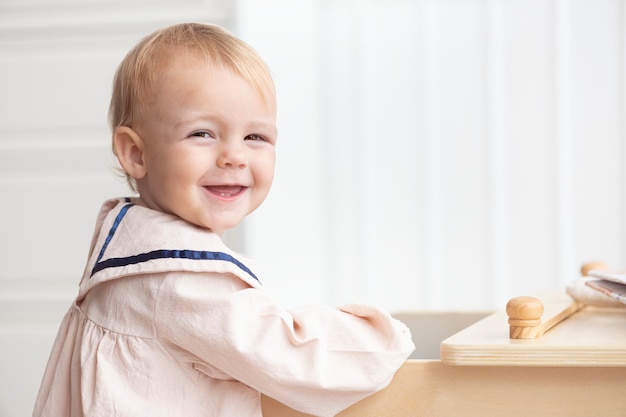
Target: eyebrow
[263, 126]
[199, 118]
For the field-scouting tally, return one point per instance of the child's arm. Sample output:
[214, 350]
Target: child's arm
[314, 359]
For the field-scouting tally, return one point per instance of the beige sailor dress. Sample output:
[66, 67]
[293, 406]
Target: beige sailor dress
[170, 322]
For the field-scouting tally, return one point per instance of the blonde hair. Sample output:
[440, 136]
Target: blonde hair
[137, 76]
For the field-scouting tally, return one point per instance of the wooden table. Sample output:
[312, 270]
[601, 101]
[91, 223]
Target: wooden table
[593, 336]
[576, 369]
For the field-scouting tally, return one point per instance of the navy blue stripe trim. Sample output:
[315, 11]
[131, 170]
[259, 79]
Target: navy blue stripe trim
[116, 223]
[172, 253]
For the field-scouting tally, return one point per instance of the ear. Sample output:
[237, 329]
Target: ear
[128, 148]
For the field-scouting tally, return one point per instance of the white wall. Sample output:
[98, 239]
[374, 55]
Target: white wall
[433, 154]
[56, 65]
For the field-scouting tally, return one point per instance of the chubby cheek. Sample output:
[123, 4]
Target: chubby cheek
[186, 167]
[264, 181]
[268, 167]
[177, 180]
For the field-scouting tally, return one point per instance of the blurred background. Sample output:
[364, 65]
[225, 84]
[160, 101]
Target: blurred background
[433, 155]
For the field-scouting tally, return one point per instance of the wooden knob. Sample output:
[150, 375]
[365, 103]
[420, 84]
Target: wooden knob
[524, 317]
[589, 266]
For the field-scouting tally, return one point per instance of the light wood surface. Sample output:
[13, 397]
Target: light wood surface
[576, 369]
[526, 318]
[433, 389]
[593, 336]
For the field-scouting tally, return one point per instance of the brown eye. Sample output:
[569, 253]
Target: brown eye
[202, 134]
[255, 137]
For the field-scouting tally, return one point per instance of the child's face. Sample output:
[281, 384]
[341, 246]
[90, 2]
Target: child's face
[208, 146]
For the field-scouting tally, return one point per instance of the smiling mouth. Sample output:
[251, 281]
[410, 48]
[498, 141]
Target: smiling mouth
[226, 192]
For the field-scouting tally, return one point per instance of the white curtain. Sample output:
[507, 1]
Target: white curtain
[441, 154]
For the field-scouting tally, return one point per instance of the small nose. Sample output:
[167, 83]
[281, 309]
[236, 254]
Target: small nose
[232, 155]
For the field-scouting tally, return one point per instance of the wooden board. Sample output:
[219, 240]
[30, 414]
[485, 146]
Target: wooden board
[433, 389]
[593, 336]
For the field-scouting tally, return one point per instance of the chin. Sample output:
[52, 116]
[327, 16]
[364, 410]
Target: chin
[221, 228]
